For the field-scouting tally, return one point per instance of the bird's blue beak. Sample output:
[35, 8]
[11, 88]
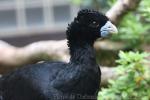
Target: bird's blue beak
[108, 29]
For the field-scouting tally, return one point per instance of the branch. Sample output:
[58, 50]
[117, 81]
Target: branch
[12, 57]
[121, 8]
[107, 74]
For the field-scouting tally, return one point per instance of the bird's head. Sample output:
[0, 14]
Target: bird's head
[90, 25]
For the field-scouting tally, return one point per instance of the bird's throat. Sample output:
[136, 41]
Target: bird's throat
[83, 54]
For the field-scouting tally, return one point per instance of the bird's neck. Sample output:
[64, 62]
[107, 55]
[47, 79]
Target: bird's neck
[83, 54]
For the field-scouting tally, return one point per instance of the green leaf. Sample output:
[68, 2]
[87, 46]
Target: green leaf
[124, 94]
[145, 98]
[133, 80]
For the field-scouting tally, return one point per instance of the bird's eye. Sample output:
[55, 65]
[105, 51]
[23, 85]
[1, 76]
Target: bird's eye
[94, 24]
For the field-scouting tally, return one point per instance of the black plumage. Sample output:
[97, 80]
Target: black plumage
[76, 80]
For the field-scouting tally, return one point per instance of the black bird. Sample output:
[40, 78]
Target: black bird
[76, 80]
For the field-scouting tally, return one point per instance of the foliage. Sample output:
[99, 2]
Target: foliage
[131, 31]
[144, 10]
[134, 27]
[133, 80]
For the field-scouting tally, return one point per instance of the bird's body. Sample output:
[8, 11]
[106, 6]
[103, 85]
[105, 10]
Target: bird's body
[79, 79]
[52, 81]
